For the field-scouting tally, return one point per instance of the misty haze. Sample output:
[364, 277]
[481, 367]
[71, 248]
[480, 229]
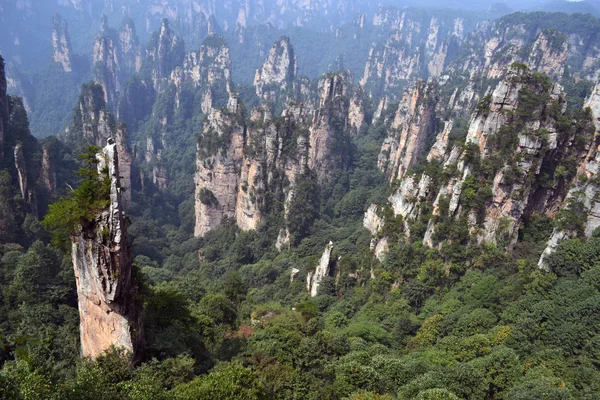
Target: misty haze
[299, 199]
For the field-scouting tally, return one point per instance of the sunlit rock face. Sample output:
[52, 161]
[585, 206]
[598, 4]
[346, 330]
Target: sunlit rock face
[101, 253]
[278, 71]
[61, 44]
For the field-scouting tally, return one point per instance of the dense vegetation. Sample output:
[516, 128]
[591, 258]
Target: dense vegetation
[226, 317]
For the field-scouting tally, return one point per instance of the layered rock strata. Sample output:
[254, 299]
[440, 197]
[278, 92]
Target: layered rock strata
[102, 260]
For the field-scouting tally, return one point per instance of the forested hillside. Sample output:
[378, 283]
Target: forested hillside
[379, 203]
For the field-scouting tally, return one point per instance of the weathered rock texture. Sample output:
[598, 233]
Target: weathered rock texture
[208, 69]
[3, 107]
[514, 143]
[418, 47]
[323, 269]
[328, 145]
[242, 167]
[278, 71]
[93, 124]
[61, 44]
[582, 199]
[101, 253]
[220, 154]
[165, 51]
[115, 56]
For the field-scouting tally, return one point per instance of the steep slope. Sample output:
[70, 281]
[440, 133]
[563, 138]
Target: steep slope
[93, 124]
[102, 260]
[278, 71]
[519, 156]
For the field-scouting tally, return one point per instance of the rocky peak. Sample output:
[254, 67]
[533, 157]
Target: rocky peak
[278, 71]
[21, 167]
[3, 107]
[130, 46]
[102, 260]
[329, 131]
[165, 51]
[209, 68]
[115, 57]
[218, 162]
[323, 269]
[411, 128]
[94, 124]
[47, 171]
[582, 199]
[61, 43]
[513, 142]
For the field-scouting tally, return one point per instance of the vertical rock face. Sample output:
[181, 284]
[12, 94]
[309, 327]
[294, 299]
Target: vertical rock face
[409, 131]
[115, 56]
[218, 164]
[93, 124]
[418, 47]
[582, 197]
[61, 44]
[314, 279]
[329, 129]
[545, 50]
[101, 254]
[3, 107]
[47, 171]
[390, 67]
[208, 68]
[165, 51]
[130, 46]
[107, 66]
[278, 71]
[514, 162]
[21, 168]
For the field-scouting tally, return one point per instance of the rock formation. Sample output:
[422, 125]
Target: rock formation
[165, 51]
[102, 260]
[61, 44]
[323, 269]
[47, 171]
[278, 71]
[220, 154]
[582, 198]
[115, 57]
[514, 139]
[21, 167]
[3, 107]
[412, 125]
[93, 124]
[328, 143]
[209, 69]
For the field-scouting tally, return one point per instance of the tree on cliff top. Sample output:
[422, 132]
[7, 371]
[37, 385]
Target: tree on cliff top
[80, 206]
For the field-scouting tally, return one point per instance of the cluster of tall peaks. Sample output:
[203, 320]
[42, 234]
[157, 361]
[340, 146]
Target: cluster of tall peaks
[478, 139]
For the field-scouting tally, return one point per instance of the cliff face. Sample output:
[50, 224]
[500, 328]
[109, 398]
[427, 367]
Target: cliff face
[47, 171]
[323, 269]
[418, 47]
[115, 56]
[328, 140]
[3, 107]
[241, 169]
[517, 158]
[582, 198]
[278, 71]
[61, 44]
[210, 69]
[409, 130]
[217, 166]
[101, 254]
[165, 51]
[542, 49]
[93, 124]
